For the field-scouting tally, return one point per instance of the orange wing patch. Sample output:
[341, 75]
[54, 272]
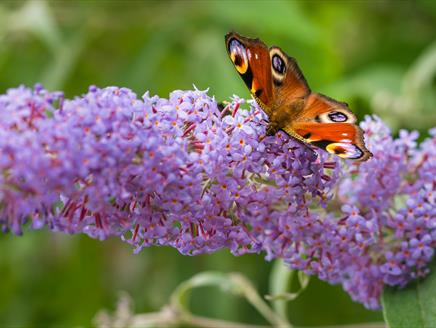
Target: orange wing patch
[322, 109]
[289, 82]
[342, 139]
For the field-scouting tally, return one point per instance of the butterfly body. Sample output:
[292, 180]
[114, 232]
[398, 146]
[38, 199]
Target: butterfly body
[279, 87]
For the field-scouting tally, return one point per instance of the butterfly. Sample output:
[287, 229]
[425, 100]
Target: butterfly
[279, 87]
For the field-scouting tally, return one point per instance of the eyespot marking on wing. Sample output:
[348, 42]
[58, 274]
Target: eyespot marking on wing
[344, 150]
[238, 55]
[335, 116]
[278, 65]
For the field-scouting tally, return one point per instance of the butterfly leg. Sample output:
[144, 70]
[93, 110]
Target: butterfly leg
[276, 120]
[272, 128]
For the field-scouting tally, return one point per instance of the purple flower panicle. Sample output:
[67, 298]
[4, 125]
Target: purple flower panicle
[183, 173]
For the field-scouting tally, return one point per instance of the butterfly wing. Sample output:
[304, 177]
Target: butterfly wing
[252, 61]
[288, 80]
[330, 125]
[272, 77]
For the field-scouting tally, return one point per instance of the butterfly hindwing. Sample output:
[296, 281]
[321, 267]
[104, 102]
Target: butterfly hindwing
[322, 109]
[342, 139]
[329, 124]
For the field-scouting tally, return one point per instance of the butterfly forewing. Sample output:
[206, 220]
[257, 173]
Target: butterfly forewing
[329, 124]
[288, 80]
[251, 59]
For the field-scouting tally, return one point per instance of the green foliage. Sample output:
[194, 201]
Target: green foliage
[413, 306]
[376, 55]
[280, 279]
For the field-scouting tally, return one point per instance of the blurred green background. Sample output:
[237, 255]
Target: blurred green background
[379, 56]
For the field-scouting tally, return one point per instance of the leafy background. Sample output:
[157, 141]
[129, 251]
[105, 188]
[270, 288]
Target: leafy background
[379, 56]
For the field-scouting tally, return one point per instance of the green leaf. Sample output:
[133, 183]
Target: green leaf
[413, 306]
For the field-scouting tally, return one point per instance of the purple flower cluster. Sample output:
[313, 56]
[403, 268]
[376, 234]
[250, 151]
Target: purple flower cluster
[395, 193]
[183, 173]
[380, 228]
